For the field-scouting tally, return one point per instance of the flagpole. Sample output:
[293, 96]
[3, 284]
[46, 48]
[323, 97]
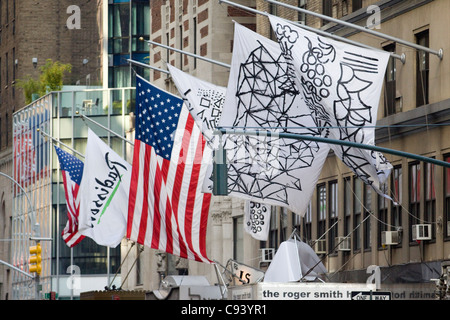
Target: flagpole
[439, 53]
[83, 117]
[222, 131]
[147, 66]
[225, 65]
[402, 57]
[57, 141]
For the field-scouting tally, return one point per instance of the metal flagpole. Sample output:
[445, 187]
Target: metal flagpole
[439, 53]
[147, 66]
[221, 131]
[187, 53]
[57, 141]
[83, 117]
[402, 57]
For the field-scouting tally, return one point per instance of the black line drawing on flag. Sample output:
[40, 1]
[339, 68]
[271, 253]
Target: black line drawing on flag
[261, 95]
[341, 84]
[257, 219]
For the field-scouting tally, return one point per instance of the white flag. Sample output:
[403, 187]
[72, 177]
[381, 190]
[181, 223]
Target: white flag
[204, 100]
[257, 219]
[104, 193]
[341, 84]
[260, 95]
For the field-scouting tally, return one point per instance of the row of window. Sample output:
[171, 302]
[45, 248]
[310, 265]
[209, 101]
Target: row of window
[362, 207]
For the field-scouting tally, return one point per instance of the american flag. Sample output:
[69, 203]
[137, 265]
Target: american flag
[167, 210]
[72, 172]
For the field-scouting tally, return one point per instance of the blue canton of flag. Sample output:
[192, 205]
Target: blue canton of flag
[157, 119]
[70, 164]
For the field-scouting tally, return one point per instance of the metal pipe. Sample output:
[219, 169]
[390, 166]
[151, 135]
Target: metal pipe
[147, 66]
[221, 131]
[402, 57]
[83, 117]
[17, 269]
[439, 53]
[187, 53]
[57, 141]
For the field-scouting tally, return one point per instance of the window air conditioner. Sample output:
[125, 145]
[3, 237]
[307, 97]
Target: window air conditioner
[320, 246]
[267, 254]
[390, 238]
[421, 232]
[343, 243]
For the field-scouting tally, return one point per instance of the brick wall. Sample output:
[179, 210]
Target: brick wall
[39, 30]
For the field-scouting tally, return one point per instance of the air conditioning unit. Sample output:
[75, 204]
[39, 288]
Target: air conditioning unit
[390, 238]
[343, 243]
[267, 254]
[421, 232]
[320, 246]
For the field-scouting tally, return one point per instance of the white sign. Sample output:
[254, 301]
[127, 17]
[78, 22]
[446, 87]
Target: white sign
[308, 291]
[371, 295]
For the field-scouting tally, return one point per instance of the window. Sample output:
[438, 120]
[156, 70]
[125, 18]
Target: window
[430, 198]
[382, 214]
[238, 238]
[307, 225]
[283, 224]
[356, 5]
[333, 215]
[357, 207]
[414, 196]
[390, 83]
[302, 15]
[321, 209]
[327, 10]
[447, 198]
[273, 232]
[367, 212]
[396, 205]
[422, 70]
[347, 206]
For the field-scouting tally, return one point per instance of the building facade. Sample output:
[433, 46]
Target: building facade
[413, 111]
[351, 227]
[203, 28]
[96, 38]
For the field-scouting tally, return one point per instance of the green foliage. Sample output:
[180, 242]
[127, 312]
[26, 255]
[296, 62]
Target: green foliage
[29, 86]
[50, 79]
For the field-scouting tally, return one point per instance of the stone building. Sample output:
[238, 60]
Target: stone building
[204, 28]
[412, 115]
[413, 111]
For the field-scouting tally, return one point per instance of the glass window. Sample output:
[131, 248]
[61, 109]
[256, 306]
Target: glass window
[321, 210]
[357, 207]
[430, 198]
[367, 212]
[273, 232]
[347, 205]
[396, 205]
[390, 83]
[382, 213]
[238, 238]
[447, 198]
[423, 69]
[414, 196]
[333, 215]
